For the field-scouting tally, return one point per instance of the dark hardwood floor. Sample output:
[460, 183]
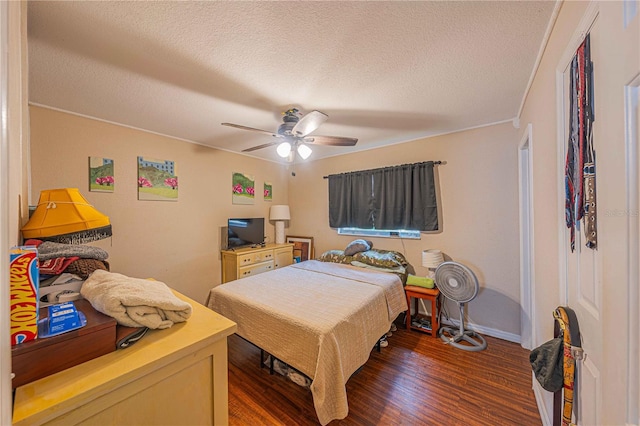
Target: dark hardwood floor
[416, 380]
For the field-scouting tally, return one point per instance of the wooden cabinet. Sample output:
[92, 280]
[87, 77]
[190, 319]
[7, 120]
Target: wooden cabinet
[173, 376]
[248, 261]
[42, 357]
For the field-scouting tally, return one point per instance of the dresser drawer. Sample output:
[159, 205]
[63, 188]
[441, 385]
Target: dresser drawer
[257, 268]
[247, 261]
[251, 258]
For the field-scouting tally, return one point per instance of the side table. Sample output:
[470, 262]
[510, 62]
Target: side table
[418, 293]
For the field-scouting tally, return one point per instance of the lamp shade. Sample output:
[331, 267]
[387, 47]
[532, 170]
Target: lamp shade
[284, 149]
[304, 151]
[65, 216]
[279, 212]
[432, 258]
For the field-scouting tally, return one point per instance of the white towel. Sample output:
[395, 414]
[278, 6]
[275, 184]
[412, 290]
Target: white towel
[134, 302]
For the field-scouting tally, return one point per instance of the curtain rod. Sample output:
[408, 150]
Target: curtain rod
[434, 163]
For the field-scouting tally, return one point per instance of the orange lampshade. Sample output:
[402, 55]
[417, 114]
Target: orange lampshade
[65, 216]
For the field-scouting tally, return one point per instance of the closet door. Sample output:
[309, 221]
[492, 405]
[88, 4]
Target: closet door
[581, 268]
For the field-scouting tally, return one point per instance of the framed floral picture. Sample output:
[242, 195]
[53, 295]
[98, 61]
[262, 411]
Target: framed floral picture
[268, 191]
[302, 248]
[242, 188]
[157, 179]
[101, 175]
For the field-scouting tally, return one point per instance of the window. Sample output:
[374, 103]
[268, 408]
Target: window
[389, 200]
[385, 233]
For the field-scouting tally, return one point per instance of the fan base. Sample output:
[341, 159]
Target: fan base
[451, 336]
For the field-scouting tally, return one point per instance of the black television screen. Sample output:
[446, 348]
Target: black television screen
[245, 232]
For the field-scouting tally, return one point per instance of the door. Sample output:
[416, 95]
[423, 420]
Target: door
[580, 269]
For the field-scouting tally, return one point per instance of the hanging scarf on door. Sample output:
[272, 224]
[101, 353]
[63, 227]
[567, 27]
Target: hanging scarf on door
[568, 322]
[580, 160]
[573, 151]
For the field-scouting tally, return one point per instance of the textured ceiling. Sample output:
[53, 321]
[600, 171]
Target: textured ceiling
[384, 72]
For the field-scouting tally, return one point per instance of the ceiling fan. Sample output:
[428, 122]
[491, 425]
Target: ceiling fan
[293, 135]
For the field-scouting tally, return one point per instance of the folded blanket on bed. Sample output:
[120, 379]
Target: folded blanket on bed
[134, 302]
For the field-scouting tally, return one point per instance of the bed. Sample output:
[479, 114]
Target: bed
[321, 318]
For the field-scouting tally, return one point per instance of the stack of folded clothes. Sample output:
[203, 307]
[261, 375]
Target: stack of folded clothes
[64, 268]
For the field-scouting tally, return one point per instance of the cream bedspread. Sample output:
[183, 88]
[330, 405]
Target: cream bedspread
[321, 318]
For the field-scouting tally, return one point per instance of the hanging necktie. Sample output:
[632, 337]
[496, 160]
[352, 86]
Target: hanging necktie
[580, 162]
[572, 152]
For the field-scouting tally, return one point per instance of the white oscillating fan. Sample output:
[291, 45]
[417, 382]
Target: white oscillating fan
[459, 283]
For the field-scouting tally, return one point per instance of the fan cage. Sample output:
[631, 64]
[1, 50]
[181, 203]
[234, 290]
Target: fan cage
[456, 281]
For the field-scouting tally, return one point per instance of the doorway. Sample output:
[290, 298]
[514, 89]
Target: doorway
[526, 239]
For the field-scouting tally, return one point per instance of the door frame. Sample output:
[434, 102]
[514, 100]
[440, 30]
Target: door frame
[632, 116]
[5, 332]
[527, 261]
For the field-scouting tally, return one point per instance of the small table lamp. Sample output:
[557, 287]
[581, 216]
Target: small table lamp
[65, 216]
[432, 259]
[279, 214]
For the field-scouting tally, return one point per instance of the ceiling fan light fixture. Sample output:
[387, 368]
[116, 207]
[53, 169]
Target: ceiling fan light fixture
[284, 149]
[304, 151]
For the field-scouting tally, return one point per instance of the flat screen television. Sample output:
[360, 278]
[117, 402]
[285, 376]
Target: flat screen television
[245, 232]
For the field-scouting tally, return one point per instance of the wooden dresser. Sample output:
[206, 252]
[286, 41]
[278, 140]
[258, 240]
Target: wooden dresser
[173, 376]
[248, 261]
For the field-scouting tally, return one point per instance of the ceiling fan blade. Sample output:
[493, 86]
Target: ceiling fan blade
[331, 140]
[308, 123]
[266, 145]
[237, 126]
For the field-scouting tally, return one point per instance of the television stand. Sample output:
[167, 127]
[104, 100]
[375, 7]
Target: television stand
[245, 261]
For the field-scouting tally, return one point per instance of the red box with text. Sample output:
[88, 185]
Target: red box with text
[23, 282]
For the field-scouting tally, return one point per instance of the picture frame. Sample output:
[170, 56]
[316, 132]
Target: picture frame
[101, 175]
[242, 188]
[302, 247]
[157, 179]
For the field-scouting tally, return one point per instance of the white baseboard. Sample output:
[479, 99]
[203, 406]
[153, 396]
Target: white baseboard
[499, 334]
[546, 415]
[510, 337]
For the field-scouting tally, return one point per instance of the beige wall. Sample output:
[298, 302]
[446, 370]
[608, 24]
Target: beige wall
[478, 188]
[175, 242]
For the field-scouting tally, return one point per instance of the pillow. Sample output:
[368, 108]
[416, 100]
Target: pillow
[378, 268]
[381, 258]
[399, 271]
[357, 246]
[335, 256]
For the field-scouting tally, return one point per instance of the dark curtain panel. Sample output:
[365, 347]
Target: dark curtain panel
[350, 202]
[405, 197]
